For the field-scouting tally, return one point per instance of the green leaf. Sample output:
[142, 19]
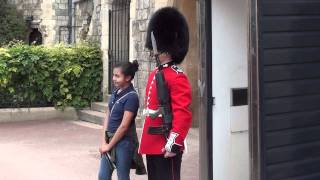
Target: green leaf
[11, 90]
[69, 96]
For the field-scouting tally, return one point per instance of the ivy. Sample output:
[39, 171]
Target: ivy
[60, 75]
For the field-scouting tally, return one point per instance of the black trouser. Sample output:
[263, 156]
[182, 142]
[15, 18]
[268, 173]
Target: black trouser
[160, 168]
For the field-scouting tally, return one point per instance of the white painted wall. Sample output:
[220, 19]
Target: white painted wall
[229, 70]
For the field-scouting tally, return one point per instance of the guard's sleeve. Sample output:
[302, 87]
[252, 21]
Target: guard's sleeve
[180, 92]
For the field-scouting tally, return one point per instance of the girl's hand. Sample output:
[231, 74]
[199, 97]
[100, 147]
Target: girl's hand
[104, 148]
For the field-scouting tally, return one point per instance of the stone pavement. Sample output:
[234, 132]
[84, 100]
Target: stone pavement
[65, 150]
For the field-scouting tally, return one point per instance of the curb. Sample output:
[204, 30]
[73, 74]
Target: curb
[43, 113]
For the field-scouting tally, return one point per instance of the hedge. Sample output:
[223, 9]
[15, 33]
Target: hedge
[60, 75]
[12, 23]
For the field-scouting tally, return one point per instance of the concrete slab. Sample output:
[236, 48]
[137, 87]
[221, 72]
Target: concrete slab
[58, 149]
[43, 113]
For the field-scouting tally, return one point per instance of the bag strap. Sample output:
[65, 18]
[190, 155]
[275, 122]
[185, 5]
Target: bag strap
[131, 92]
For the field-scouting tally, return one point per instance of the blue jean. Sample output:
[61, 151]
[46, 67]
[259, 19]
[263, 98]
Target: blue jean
[124, 154]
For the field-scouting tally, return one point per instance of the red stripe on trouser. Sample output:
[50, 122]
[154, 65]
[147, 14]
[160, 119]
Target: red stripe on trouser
[172, 168]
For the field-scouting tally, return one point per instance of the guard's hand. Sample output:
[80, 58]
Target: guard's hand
[168, 154]
[104, 148]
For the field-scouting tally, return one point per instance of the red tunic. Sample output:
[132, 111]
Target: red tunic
[180, 93]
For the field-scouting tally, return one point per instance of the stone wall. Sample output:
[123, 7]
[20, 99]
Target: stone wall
[30, 9]
[52, 18]
[83, 15]
[47, 17]
[95, 28]
[144, 10]
[61, 16]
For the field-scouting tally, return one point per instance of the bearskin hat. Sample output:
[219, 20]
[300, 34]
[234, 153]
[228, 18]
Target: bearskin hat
[171, 33]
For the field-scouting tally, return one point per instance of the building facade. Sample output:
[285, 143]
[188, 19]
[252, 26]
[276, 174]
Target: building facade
[253, 66]
[119, 26]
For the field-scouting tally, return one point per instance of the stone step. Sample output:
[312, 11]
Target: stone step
[95, 117]
[99, 106]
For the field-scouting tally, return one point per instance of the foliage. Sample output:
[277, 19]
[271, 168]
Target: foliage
[13, 26]
[60, 75]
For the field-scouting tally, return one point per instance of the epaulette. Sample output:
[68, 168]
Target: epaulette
[176, 68]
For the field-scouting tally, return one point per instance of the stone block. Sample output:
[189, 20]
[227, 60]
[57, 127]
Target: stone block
[145, 14]
[62, 23]
[136, 48]
[61, 12]
[61, 18]
[98, 8]
[37, 12]
[144, 66]
[143, 36]
[62, 6]
[142, 26]
[138, 5]
[135, 27]
[145, 4]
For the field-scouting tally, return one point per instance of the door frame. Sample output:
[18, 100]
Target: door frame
[207, 101]
[254, 92]
[253, 89]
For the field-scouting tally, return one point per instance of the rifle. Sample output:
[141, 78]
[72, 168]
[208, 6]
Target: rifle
[163, 98]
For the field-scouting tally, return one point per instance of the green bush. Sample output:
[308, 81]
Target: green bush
[12, 23]
[60, 75]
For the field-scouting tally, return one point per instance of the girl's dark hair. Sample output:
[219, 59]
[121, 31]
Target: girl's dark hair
[128, 68]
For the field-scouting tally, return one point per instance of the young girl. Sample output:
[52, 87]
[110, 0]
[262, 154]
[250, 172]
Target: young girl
[119, 131]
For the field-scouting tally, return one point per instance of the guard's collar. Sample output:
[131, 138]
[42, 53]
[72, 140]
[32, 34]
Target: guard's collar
[160, 67]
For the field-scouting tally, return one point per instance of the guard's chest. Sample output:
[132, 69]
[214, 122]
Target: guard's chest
[151, 98]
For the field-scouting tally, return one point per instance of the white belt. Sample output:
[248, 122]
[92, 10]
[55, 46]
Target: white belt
[148, 112]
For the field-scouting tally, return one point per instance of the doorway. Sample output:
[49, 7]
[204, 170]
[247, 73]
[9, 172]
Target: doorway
[119, 19]
[230, 42]
[35, 37]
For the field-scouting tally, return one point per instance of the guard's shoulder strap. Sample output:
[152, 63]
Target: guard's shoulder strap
[177, 69]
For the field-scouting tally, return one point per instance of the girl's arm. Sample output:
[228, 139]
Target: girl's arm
[122, 129]
[105, 124]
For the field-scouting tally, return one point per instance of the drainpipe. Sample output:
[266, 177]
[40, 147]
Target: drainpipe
[74, 3]
[70, 21]
[74, 20]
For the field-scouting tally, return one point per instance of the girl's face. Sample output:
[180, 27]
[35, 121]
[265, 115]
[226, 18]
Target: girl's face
[119, 79]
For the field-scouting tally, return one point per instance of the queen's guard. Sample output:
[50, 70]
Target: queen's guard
[168, 96]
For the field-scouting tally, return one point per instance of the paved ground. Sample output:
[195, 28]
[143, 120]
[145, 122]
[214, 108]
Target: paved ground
[65, 150]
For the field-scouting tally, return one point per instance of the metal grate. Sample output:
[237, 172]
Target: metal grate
[119, 19]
